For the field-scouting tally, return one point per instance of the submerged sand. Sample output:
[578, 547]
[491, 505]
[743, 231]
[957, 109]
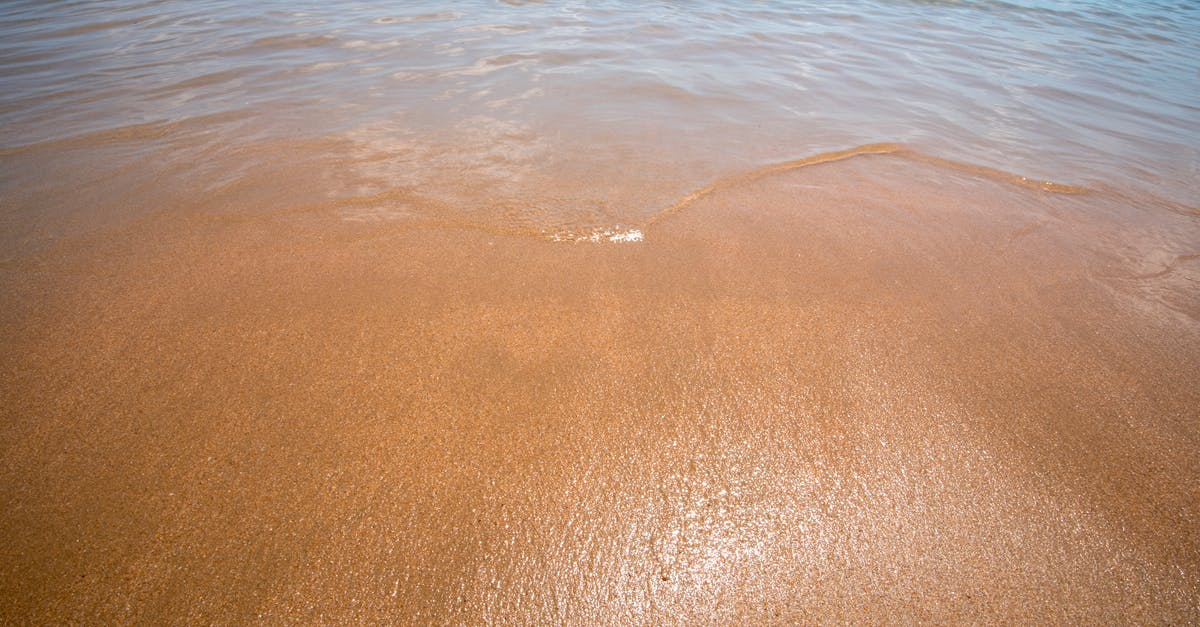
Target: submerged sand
[877, 389]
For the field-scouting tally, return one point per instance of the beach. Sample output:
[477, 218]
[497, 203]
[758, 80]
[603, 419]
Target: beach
[305, 376]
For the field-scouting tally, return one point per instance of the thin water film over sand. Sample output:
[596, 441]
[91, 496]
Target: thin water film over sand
[599, 314]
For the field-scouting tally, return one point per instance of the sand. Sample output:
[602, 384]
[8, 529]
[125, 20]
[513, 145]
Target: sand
[876, 389]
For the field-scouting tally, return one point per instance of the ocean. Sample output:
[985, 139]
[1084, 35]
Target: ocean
[578, 116]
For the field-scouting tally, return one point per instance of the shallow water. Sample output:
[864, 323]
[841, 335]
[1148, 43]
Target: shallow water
[566, 313]
[571, 115]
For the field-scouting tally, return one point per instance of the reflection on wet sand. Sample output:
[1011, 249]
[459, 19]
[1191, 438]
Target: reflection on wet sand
[872, 388]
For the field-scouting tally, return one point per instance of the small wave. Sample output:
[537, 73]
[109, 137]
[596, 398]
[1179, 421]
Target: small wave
[406, 208]
[424, 17]
[129, 133]
[92, 28]
[892, 149]
[290, 42]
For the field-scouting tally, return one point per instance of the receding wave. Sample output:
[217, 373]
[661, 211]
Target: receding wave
[423, 212]
[893, 149]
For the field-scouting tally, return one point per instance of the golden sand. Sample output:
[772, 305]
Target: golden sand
[873, 389]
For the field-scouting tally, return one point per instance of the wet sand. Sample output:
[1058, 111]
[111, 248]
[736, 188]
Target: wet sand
[876, 389]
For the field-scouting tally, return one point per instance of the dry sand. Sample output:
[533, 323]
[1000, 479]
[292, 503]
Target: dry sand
[881, 389]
